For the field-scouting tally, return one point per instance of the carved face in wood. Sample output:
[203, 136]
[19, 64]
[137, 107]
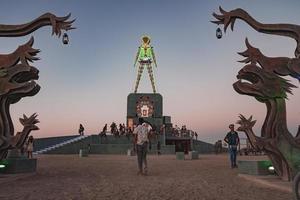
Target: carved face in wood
[19, 82]
[17, 79]
[262, 85]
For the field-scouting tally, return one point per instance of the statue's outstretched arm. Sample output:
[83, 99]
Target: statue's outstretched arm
[48, 19]
[153, 56]
[288, 30]
[137, 56]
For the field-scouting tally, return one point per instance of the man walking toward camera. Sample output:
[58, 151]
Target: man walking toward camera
[233, 140]
[141, 134]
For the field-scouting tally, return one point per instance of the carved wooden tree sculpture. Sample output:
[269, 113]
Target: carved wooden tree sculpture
[17, 77]
[268, 87]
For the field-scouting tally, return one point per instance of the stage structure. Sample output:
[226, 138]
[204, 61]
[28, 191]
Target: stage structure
[148, 106]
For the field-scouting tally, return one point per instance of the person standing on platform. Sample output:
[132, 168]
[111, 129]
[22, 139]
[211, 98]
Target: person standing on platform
[141, 134]
[233, 140]
[104, 130]
[103, 133]
[120, 129]
[123, 129]
[113, 129]
[81, 130]
[30, 145]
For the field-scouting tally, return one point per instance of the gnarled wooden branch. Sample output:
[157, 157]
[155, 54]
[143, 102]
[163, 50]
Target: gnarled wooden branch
[17, 77]
[288, 30]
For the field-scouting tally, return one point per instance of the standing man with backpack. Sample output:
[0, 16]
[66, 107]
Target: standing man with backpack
[141, 134]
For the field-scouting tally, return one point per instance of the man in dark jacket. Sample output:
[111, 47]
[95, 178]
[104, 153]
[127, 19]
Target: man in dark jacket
[233, 140]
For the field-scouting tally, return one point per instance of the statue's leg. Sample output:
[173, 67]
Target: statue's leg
[150, 72]
[140, 71]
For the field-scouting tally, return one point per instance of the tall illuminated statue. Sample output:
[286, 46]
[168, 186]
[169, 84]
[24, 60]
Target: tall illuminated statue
[145, 57]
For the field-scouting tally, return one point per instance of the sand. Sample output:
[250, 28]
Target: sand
[115, 177]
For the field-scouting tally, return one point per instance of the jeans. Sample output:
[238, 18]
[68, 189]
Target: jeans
[141, 155]
[232, 152]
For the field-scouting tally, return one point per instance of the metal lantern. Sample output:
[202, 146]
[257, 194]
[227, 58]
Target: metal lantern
[65, 38]
[219, 33]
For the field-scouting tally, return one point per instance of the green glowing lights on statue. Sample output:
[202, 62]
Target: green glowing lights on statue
[145, 57]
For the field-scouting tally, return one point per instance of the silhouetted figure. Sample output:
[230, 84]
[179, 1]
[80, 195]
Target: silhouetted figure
[30, 145]
[218, 147]
[158, 148]
[124, 129]
[113, 128]
[81, 130]
[192, 134]
[128, 133]
[104, 129]
[121, 131]
[103, 133]
[196, 135]
[89, 148]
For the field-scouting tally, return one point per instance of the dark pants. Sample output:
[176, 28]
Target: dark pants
[141, 155]
[232, 152]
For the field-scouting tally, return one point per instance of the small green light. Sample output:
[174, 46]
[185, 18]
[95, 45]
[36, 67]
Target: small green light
[2, 166]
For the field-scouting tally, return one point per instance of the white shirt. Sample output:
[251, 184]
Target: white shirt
[142, 133]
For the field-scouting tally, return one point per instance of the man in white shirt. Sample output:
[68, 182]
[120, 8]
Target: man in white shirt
[141, 134]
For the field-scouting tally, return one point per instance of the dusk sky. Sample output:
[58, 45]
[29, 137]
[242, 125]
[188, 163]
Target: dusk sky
[88, 80]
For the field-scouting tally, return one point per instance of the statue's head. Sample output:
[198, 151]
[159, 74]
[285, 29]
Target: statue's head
[145, 40]
[18, 81]
[262, 85]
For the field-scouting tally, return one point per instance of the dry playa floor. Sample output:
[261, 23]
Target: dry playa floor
[115, 177]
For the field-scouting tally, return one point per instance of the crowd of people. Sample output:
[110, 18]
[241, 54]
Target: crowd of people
[121, 129]
[184, 132]
[142, 135]
[141, 138]
[116, 130]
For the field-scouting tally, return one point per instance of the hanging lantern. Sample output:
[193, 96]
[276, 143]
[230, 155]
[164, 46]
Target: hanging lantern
[65, 38]
[219, 33]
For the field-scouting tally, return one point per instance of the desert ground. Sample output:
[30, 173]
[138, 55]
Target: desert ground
[115, 177]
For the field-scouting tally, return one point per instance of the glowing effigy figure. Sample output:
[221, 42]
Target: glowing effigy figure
[145, 57]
